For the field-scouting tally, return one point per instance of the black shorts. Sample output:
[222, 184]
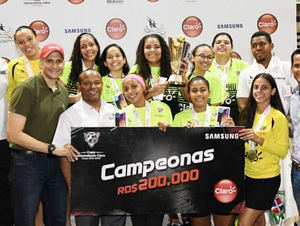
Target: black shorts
[260, 193]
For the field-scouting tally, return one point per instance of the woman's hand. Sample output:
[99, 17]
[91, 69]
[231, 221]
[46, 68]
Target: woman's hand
[156, 90]
[248, 134]
[163, 126]
[189, 125]
[229, 122]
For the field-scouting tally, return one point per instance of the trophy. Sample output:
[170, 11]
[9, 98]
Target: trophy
[178, 50]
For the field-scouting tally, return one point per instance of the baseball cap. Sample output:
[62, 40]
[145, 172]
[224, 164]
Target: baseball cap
[50, 48]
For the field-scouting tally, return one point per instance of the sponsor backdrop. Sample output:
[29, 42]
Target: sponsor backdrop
[125, 22]
[142, 170]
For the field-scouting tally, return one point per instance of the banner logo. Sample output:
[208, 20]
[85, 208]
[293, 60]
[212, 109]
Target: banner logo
[268, 23]
[2, 1]
[152, 27]
[41, 28]
[152, 0]
[76, 1]
[6, 34]
[236, 55]
[91, 138]
[225, 191]
[192, 26]
[116, 28]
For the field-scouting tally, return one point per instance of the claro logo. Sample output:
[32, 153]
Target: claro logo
[192, 26]
[268, 23]
[116, 28]
[76, 1]
[225, 191]
[41, 28]
[2, 1]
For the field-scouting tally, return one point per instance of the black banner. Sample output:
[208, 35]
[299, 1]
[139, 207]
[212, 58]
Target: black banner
[142, 170]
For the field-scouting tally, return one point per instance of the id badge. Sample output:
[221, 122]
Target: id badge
[119, 100]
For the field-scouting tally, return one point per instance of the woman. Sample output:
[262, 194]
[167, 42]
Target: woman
[26, 66]
[153, 64]
[228, 69]
[85, 54]
[267, 139]
[202, 115]
[141, 113]
[113, 67]
[202, 57]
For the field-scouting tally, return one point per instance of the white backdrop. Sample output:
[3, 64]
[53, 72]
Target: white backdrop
[168, 16]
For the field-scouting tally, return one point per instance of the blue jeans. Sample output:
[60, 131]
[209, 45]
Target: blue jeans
[36, 177]
[296, 185]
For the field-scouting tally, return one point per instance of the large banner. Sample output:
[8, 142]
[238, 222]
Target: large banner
[125, 22]
[142, 170]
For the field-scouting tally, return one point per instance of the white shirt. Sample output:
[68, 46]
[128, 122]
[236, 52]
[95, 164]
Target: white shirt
[281, 72]
[295, 119]
[82, 114]
[3, 102]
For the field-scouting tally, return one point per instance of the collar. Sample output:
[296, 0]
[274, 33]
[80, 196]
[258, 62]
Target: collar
[274, 62]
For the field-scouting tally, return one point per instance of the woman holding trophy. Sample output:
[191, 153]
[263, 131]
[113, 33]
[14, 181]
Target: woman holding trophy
[202, 58]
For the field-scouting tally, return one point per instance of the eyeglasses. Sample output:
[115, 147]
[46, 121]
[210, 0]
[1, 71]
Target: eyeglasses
[203, 57]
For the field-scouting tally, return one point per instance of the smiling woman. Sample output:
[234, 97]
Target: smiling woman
[26, 66]
[85, 54]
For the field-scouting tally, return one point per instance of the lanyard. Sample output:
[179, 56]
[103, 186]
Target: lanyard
[259, 124]
[224, 74]
[84, 67]
[207, 117]
[147, 115]
[28, 67]
[114, 83]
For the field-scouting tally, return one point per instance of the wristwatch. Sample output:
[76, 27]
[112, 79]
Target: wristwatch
[51, 148]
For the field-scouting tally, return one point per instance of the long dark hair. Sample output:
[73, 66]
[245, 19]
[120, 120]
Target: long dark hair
[104, 70]
[194, 53]
[144, 69]
[76, 57]
[248, 114]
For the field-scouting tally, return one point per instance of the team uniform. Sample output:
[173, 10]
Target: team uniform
[186, 116]
[19, 70]
[230, 74]
[216, 91]
[108, 90]
[263, 171]
[159, 112]
[171, 93]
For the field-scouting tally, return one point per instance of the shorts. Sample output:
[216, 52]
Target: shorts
[260, 193]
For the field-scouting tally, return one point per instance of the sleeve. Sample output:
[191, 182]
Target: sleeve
[22, 101]
[62, 134]
[11, 81]
[169, 118]
[176, 121]
[64, 77]
[277, 142]
[243, 89]
[134, 69]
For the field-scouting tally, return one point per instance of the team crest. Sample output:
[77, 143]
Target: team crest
[91, 138]
[160, 110]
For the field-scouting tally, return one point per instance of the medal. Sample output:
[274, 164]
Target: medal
[251, 155]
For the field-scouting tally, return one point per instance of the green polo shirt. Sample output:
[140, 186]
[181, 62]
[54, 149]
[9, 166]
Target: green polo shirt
[41, 107]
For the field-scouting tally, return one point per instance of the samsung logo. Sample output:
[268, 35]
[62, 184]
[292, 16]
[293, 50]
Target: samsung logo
[221, 136]
[114, 1]
[228, 26]
[77, 30]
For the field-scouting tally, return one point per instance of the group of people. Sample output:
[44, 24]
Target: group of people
[43, 97]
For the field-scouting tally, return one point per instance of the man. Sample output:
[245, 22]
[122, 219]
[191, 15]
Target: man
[33, 114]
[295, 121]
[89, 111]
[261, 47]
[5, 203]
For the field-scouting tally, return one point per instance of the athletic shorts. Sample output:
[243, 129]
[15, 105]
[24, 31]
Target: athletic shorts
[260, 193]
